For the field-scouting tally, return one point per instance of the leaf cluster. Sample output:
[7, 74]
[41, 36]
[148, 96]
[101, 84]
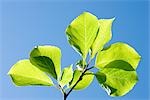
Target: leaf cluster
[88, 35]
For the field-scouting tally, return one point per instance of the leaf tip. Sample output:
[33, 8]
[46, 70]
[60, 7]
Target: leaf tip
[113, 19]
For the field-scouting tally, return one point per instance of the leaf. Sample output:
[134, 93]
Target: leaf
[120, 64]
[23, 73]
[117, 51]
[85, 82]
[104, 35]
[117, 81]
[66, 76]
[82, 32]
[101, 77]
[48, 59]
[81, 64]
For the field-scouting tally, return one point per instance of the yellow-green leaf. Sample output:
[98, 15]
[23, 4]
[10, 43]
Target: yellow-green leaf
[48, 59]
[117, 78]
[82, 32]
[104, 35]
[66, 76]
[117, 51]
[23, 73]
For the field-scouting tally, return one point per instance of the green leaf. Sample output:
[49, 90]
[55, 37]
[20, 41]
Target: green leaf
[82, 32]
[117, 81]
[101, 77]
[66, 76]
[117, 51]
[120, 64]
[23, 73]
[48, 59]
[104, 35]
[85, 82]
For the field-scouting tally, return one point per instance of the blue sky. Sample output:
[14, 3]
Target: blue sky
[25, 24]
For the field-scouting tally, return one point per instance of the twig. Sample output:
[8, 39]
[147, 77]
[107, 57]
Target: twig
[80, 78]
[62, 90]
[90, 68]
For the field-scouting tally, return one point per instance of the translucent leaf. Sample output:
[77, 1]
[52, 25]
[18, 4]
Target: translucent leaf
[66, 76]
[23, 73]
[117, 81]
[104, 35]
[48, 59]
[82, 32]
[117, 51]
[85, 82]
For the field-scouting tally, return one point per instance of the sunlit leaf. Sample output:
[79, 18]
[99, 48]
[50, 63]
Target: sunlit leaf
[23, 73]
[117, 81]
[82, 32]
[117, 51]
[48, 59]
[104, 35]
[66, 76]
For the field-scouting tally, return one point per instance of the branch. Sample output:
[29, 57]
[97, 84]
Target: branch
[80, 78]
[62, 90]
[90, 68]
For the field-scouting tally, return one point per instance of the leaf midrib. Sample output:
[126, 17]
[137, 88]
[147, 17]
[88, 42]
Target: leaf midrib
[84, 35]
